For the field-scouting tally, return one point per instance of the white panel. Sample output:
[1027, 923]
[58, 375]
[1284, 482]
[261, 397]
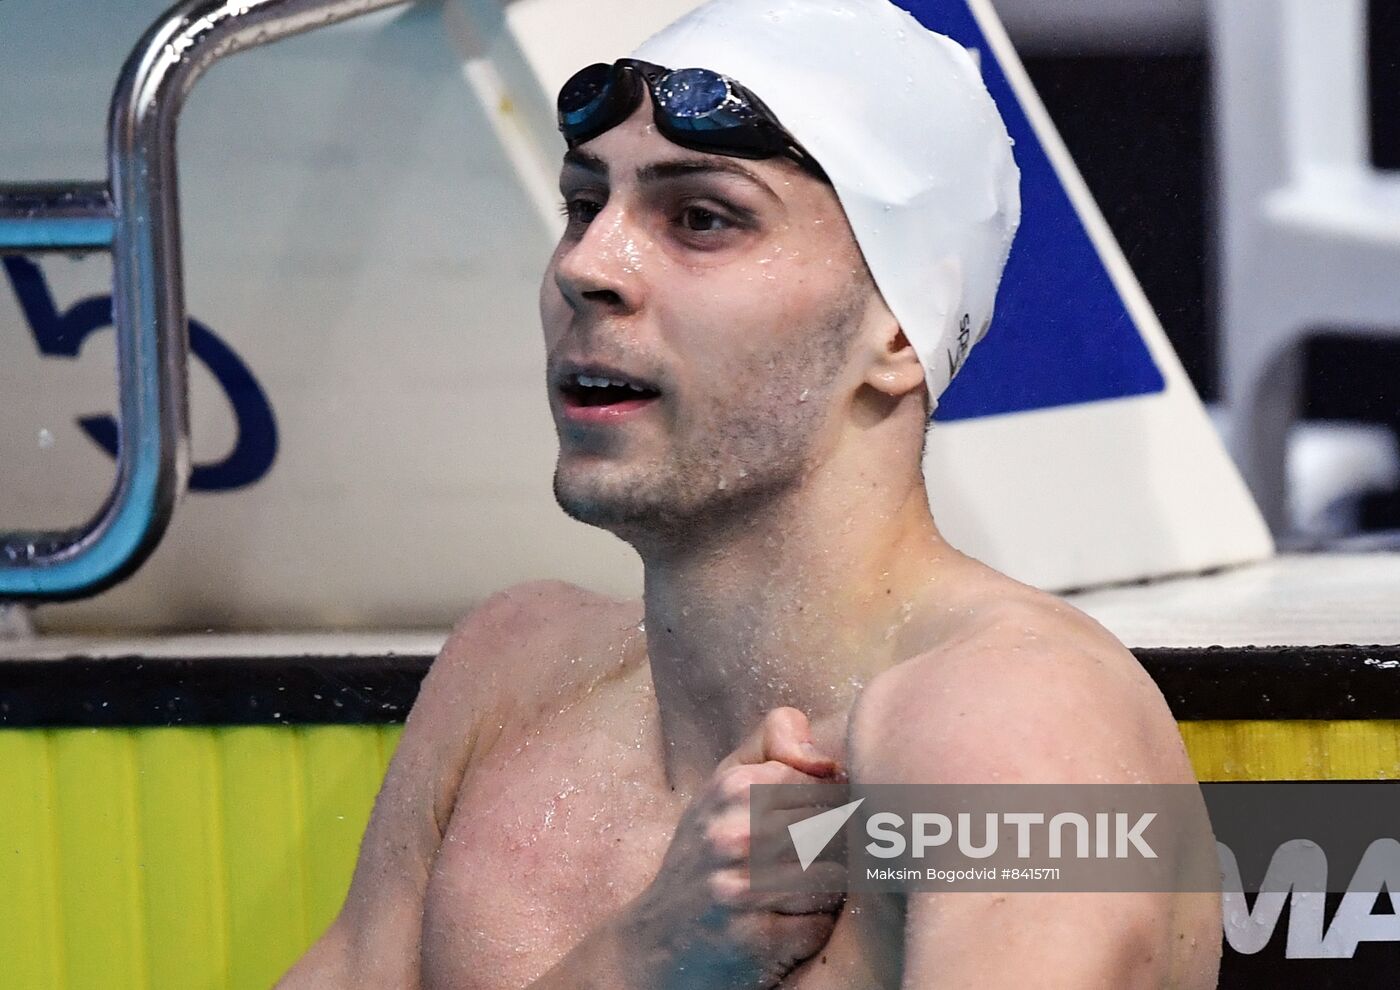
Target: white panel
[1294, 600]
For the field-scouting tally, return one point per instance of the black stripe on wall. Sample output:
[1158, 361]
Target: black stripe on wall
[1316, 682]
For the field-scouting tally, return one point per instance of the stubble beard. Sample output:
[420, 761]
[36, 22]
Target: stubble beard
[738, 457]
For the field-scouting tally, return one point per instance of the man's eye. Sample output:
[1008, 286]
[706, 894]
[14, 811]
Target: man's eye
[580, 210]
[699, 219]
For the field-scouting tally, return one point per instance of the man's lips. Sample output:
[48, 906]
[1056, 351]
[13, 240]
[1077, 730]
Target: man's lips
[578, 411]
[595, 393]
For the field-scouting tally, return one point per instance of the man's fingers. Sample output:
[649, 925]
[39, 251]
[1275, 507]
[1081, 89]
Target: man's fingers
[776, 723]
[786, 736]
[818, 889]
[809, 902]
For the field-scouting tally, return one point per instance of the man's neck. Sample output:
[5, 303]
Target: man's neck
[800, 606]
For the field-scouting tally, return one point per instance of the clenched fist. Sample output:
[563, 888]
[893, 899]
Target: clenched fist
[699, 924]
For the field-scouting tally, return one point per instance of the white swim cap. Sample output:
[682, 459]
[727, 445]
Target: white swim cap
[901, 122]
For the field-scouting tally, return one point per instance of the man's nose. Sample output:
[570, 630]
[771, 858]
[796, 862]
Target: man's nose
[604, 267]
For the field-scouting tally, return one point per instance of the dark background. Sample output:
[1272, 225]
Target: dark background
[1139, 128]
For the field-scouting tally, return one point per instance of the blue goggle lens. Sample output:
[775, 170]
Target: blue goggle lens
[692, 92]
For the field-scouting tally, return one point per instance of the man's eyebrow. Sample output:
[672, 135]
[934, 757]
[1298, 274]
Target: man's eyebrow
[675, 169]
[585, 161]
[683, 167]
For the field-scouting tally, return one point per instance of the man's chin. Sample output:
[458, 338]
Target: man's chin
[597, 504]
[628, 508]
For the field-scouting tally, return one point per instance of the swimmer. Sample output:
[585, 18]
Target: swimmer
[774, 262]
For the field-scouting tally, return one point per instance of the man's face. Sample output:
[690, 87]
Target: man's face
[730, 292]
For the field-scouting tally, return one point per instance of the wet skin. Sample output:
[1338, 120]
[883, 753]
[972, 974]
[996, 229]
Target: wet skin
[557, 766]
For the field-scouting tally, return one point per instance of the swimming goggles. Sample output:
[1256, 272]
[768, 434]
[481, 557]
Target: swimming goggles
[695, 108]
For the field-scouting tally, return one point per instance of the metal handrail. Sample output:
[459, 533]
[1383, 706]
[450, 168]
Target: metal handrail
[135, 215]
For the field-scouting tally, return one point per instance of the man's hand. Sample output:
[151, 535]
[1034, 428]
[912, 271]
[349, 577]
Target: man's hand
[699, 923]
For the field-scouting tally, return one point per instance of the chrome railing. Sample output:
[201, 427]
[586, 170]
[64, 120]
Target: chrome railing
[135, 216]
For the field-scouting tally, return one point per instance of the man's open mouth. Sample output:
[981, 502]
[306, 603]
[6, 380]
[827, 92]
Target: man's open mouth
[594, 391]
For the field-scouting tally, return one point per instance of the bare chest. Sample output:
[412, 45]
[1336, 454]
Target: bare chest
[550, 835]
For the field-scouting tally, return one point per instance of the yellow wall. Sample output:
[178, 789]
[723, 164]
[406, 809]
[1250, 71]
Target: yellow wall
[176, 858]
[210, 858]
[1360, 749]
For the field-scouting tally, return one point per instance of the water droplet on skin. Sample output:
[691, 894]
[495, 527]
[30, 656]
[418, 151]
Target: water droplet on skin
[803, 396]
[722, 484]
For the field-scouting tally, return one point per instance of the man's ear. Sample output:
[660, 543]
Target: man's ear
[894, 367]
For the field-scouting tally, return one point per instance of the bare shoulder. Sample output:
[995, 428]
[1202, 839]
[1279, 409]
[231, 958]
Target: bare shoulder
[1026, 689]
[510, 654]
[517, 654]
[532, 639]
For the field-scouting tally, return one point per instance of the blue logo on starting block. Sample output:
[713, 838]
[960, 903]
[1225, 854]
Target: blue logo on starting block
[1061, 334]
